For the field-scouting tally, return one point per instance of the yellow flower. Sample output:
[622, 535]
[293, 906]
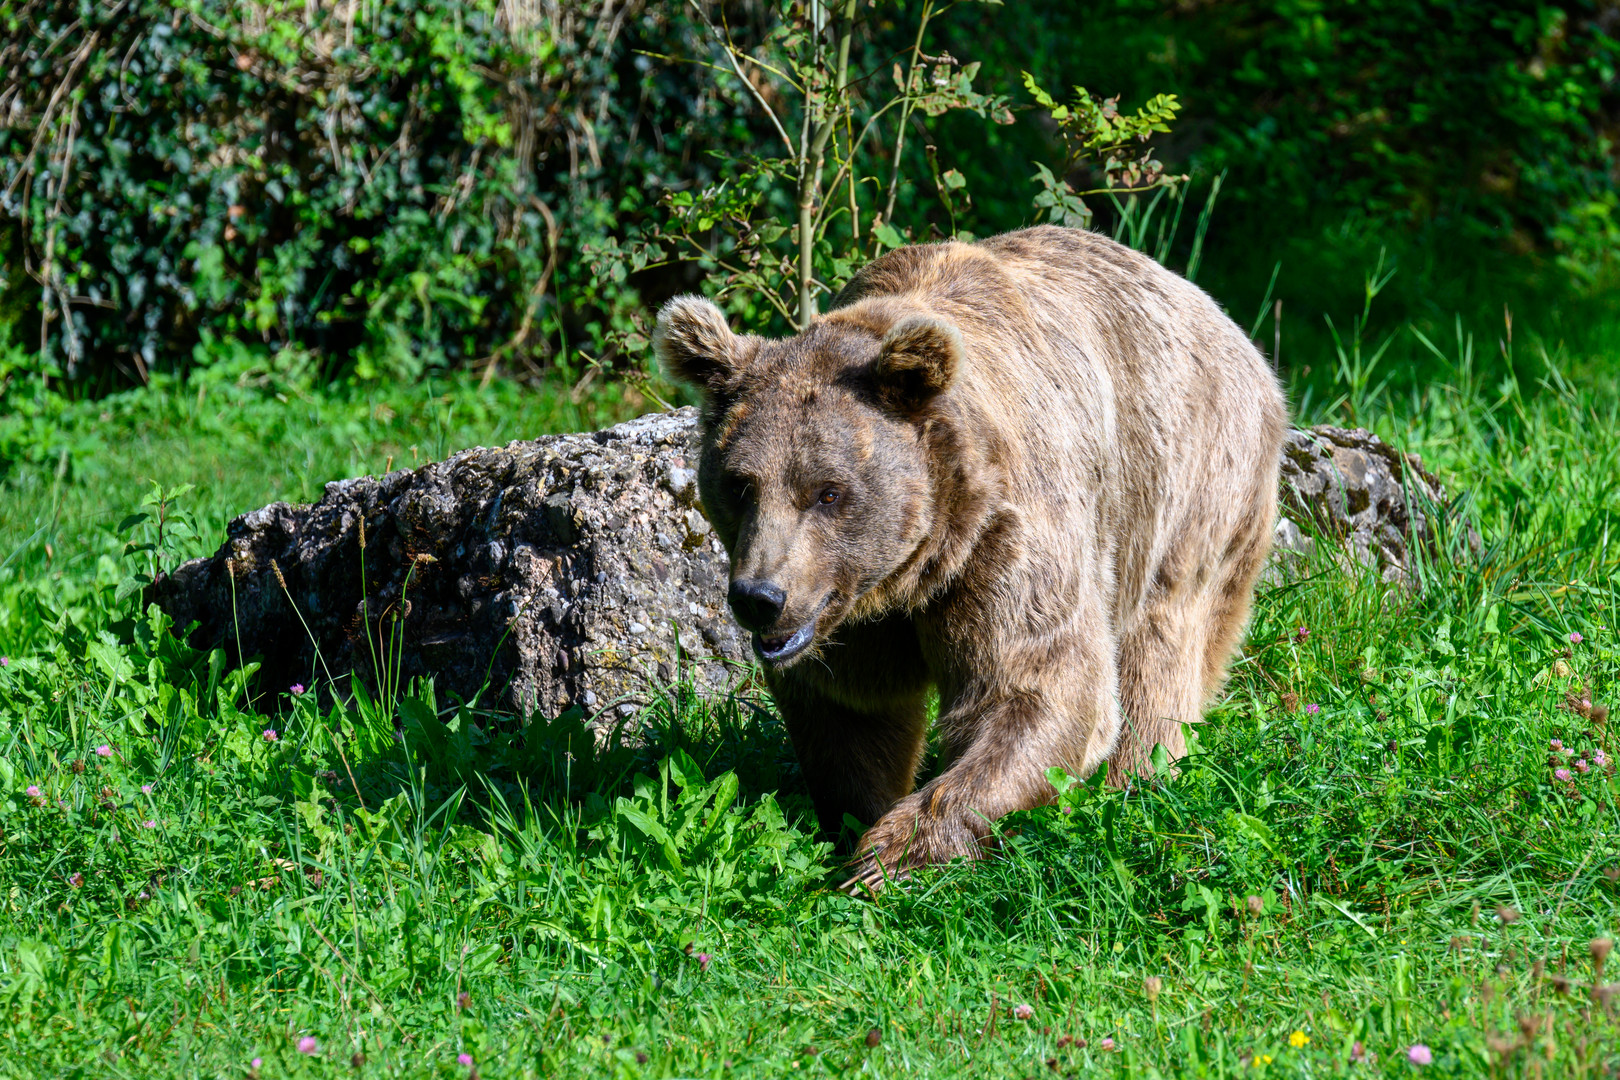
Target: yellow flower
[1262, 1059]
[1298, 1039]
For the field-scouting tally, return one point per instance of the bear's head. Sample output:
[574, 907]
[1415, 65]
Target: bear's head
[817, 473]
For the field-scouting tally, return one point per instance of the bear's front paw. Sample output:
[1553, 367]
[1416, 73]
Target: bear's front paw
[913, 834]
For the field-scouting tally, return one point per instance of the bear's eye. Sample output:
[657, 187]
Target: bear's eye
[829, 496]
[738, 488]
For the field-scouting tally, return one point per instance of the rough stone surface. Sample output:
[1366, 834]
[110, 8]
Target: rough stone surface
[580, 570]
[1350, 485]
[575, 569]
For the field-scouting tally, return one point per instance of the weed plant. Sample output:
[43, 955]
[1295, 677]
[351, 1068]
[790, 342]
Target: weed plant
[1392, 850]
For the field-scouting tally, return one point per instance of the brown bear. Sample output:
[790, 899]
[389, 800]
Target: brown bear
[1037, 474]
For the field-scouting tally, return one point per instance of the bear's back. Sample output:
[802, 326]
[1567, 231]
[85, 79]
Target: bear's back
[1125, 397]
[1078, 330]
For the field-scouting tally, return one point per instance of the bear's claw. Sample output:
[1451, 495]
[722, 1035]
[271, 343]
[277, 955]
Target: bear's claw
[872, 876]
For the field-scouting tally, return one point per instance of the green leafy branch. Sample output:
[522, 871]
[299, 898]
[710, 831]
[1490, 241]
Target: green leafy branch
[1099, 138]
[838, 176]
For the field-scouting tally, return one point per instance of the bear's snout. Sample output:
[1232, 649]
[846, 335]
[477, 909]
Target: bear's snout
[756, 603]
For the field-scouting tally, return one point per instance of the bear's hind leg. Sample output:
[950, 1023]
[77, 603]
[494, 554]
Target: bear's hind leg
[1234, 596]
[1173, 656]
[1162, 661]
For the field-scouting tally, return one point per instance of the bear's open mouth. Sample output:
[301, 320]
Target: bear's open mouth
[780, 648]
[777, 649]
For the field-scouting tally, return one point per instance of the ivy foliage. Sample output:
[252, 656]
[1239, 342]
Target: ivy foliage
[380, 184]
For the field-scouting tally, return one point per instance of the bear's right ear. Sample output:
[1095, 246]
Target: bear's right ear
[694, 343]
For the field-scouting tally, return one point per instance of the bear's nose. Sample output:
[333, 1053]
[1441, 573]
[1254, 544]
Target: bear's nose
[757, 604]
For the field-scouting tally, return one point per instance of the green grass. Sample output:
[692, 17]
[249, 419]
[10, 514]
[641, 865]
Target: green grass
[1381, 784]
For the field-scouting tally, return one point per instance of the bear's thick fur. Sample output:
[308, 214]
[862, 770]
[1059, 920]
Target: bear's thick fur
[1036, 473]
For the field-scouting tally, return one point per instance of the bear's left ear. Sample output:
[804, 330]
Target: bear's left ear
[919, 359]
[695, 345]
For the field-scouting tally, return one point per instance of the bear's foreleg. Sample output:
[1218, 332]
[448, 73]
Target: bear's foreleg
[858, 762]
[856, 711]
[1000, 739]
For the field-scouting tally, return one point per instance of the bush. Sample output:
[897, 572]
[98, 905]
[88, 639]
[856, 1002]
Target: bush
[383, 184]
[1493, 121]
[385, 189]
